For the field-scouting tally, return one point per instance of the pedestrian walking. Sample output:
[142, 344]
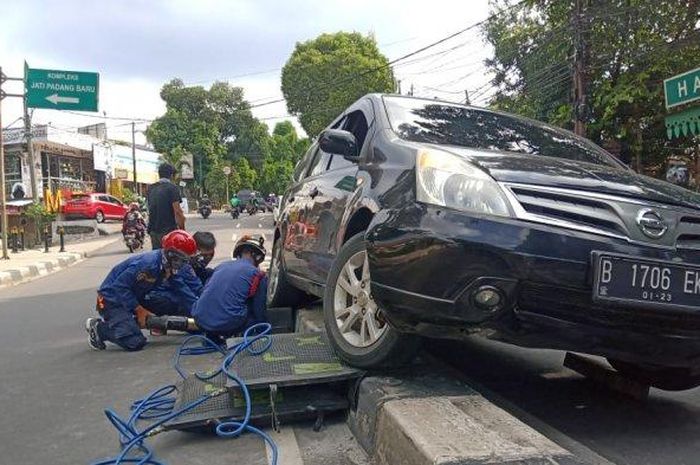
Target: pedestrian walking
[164, 211]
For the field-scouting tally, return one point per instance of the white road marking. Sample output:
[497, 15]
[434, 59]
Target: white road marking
[238, 225]
[234, 237]
[289, 453]
[259, 225]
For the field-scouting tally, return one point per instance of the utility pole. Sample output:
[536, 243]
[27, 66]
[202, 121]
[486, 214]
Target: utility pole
[133, 155]
[410, 92]
[466, 97]
[3, 206]
[30, 146]
[399, 86]
[579, 80]
[3, 202]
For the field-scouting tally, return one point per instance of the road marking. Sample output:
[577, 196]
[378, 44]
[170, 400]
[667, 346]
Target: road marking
[260, 225]
[234, 237]
[238, 225]
[289, 453]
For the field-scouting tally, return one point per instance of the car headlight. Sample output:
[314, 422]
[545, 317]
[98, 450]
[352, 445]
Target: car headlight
[447, 180]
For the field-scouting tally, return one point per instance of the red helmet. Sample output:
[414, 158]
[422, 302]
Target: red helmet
[179, 240]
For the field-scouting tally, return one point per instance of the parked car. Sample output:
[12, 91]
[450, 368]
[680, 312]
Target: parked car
[420, 217]
[96, 206]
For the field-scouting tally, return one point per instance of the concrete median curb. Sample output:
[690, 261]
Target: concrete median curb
[42, 267]
[427, 415]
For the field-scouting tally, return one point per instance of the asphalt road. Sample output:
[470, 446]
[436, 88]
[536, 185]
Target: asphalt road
[54, 388]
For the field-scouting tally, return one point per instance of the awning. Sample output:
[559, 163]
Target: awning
[683, 123]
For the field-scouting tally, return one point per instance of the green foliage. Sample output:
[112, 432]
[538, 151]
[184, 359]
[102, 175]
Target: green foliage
[246, 174]
[632, 45]
[325, 75]
[129, 196]
[40, 214]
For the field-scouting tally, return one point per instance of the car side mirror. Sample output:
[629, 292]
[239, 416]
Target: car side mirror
[339, 142]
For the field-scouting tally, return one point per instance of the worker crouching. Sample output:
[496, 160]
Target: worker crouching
[122, 293]
[234, 297]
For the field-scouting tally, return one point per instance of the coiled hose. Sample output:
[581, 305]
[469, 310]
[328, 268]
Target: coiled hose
[159, 405]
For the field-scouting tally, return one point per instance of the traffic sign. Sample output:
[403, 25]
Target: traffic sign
[683, 88]
[62, 90]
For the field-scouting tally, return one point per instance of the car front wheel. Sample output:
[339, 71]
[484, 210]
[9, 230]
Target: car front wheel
[354, 321]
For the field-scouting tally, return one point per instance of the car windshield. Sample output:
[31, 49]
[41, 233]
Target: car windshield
[442, 123]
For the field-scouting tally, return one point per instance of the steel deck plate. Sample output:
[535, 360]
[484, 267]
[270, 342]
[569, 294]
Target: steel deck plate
[293, 403]
[293, 359]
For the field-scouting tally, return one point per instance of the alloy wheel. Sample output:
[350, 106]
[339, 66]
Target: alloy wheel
[356, 312]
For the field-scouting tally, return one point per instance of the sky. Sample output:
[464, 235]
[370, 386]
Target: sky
[138, 45]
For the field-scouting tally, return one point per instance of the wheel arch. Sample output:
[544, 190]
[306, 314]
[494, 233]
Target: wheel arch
[358, 222]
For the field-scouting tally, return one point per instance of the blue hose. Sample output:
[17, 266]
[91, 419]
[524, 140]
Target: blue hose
[159, 404]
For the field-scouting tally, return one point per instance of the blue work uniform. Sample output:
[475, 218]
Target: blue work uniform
[126, 286]
[164, 301]
[233, 299]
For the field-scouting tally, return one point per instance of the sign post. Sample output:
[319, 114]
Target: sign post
[62, 90]
[227, 172]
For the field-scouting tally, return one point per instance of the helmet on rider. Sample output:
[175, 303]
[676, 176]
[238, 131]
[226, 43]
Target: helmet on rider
[133, 206]
[178, 248]
[254, 246]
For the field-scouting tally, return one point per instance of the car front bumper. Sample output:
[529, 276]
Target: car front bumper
[426, 263]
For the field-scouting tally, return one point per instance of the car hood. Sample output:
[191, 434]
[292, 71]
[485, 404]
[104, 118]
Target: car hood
[556, 172]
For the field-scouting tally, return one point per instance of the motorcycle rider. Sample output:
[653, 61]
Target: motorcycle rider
[121, 294]
[235, 201]
[133, 222]
[235, 295]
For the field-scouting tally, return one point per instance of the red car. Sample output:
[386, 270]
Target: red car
[99, 206]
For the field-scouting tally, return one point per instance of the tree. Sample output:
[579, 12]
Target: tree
[631, 46]
[215, 125]
[285, 151]
[325, 75]
[246, 174]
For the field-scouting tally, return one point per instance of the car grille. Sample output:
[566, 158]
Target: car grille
[603, 214]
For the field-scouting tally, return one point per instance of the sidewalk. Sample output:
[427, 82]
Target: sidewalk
[31, 264]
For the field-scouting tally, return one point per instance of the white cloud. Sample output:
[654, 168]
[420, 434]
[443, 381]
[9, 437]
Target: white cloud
[137, 46]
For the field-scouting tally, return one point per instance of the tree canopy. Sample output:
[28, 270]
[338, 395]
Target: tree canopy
[629, 48]
[325, 75]
[217, 127]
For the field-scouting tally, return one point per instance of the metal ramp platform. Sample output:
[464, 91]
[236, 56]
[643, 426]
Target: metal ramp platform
[298, 377]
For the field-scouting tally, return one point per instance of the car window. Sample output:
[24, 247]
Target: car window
[319, 163]
[442, 123]
[356, 123]
[300, 169]
[115, 200]
[103, 198]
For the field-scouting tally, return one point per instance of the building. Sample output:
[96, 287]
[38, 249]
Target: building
[70, 161]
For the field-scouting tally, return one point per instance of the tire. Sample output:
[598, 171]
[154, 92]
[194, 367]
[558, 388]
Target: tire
[279, 292]
[99, 216]
[666, 378]
[357, 346]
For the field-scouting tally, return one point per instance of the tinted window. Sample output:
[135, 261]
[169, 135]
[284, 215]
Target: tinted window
[356, 123]
[103, 198]
[445, 124]
[318, 163]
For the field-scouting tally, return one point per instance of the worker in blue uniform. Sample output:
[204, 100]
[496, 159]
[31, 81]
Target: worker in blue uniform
[235, 296]
[163, 300]
[120, 297]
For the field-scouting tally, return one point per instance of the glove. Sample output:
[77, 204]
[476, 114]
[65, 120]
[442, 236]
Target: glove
[142, 315]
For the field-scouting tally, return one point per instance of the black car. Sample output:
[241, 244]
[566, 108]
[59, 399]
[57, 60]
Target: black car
[420, 217]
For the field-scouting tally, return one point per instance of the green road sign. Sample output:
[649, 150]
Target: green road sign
[683, 88]
[62, 90]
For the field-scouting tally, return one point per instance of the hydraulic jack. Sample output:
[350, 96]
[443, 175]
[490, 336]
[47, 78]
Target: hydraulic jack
[160, 325]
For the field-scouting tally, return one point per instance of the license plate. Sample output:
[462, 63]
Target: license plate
[645, 283]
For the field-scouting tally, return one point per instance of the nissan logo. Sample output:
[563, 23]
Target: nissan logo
[651, 223]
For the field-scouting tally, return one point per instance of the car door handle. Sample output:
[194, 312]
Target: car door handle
[314, 192]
